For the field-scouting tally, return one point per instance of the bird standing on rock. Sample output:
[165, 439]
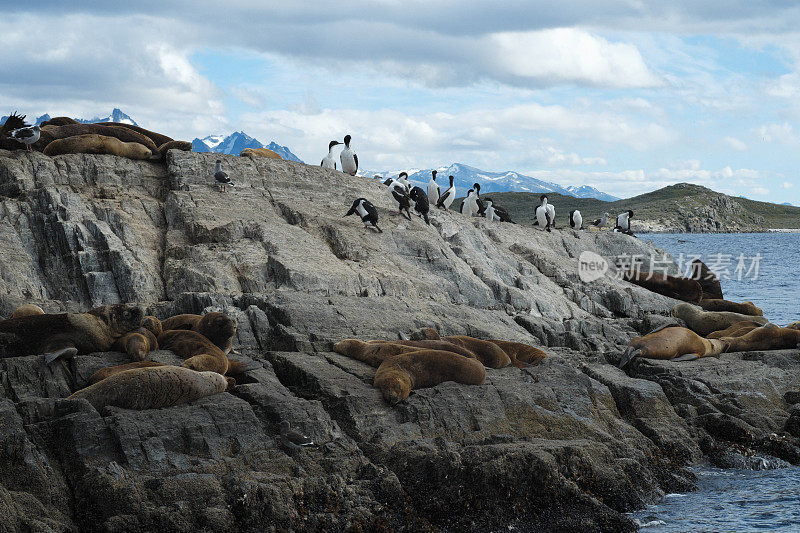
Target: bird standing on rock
[26, 136]
[575, 219]
[348, 158]
[421, 204]
[433, 189]
[367, 212]
[601, 222]
[447, 197]
[545, 214]
[294, 439]
[222, 178]
[328, 161]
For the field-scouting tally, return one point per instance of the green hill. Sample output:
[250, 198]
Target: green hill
[681, 207]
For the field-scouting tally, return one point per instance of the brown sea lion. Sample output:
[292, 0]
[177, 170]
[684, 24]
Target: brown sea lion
[744, 308]
[97, 144]
[55, 133]
[137, 343]
[679, 288]
[708, 281]
[767, 337]
[432, 345]
[58, 121]
[219, 328]
[153, 324]
[259, 152]
[371, 353]
[425, 334]
[794, 325]
[27, 310]
[397, 376]
[161, 151]
[67, 334]
[157, 138]
[488, 353]
[521, 355]
[671, 342]
[200, 353]
[152, 388]
[735, 330]
[707, 322]
[109, 371]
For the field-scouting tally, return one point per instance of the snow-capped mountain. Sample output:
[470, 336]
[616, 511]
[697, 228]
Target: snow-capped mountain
[236, 142]
[116, 116]
[466, 175]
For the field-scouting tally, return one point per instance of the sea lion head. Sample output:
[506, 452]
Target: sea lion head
[231, 384]
[120, 318]
[683, 310]
[219, 328]
[396, 388]
[153, 324]
[349, 347]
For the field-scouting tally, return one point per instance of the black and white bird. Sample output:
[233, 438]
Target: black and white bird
[403, 179]
[624, 222]
[348, 158]
[601, 222]
[488, 210]
[500, 212]
[26, 136]
[421, 203]
[447, 197]
[575, 219]
[433, 189]
[469, 206]
[294, 439]
[477, 188]
[545, 214]
[328, 161]
[399, 194]
[222, 178]
[369, 215]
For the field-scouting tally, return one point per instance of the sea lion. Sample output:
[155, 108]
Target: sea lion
[109, 371]
[58, 121]
[161, 151]
[794, 325]
[137, 343]
[371, 353]
[97, 144]
[67, 334]
[671, 342]
[259, 152]
[488, 353]
[521, 355]
[27, 310]
[219, 328]
[744, 308]
[708, 281]
[425, 334]
[153, 324]
[679, 288]
[428, 344]
[707, 322]
[767, 337]
[152, 388]
[397, 376]
[735, 330]
[200, 353]
[72, 130]
[157, 138]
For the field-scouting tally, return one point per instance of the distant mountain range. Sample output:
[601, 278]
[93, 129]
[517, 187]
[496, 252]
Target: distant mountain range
[465, 176]
[236, 142]
[116, 116]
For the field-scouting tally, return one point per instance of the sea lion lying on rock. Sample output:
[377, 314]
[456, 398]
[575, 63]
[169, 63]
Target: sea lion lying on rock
[55, 133]
[259, 152]
[372, 353]
[744, 308]
[97, 144]
[161, 152]
[141, 341]
[679, 288]
[487, 352]
[152, 388]
[68, 334]
[736, 330]
[199, 352]
[767, 337]
[27, 310]
[671, 342]
[219, 328]
[397, 376]
[109, 371]
[58, 121]
[708, 281]
[521, 355]
[707, 322]
[157, 138]
[432, 345]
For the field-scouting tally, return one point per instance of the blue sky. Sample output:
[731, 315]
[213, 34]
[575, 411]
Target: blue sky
[627, 96]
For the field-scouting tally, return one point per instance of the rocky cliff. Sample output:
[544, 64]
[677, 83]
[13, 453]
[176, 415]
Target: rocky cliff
[570, 444]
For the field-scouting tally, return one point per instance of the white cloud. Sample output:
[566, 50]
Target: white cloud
[787, 185]
[760, 191]
[736, 144]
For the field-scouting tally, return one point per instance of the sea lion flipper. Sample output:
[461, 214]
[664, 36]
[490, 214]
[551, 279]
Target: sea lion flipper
[239, 367]
[627, 355]
[70, 351]
[402, 335]
[686, 357]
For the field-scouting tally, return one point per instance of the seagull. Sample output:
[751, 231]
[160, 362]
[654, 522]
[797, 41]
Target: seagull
[328, 161]
[26, 136]
[294, 439]
[601, 222]
[222, 178]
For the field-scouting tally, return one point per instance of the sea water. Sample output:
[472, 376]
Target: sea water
[729, 499]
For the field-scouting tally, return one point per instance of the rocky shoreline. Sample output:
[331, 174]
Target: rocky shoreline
[570, 444]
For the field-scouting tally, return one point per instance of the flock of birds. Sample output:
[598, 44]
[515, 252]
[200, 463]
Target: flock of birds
[406, 197]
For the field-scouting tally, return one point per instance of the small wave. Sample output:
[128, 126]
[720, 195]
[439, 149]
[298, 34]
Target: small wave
[651, 523]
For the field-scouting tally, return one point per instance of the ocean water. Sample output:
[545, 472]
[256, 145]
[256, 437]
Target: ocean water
[729, 499]
[773, 283]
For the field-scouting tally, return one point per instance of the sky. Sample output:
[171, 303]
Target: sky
[627, 96]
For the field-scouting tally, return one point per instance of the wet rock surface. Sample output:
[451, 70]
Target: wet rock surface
[572, 443]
